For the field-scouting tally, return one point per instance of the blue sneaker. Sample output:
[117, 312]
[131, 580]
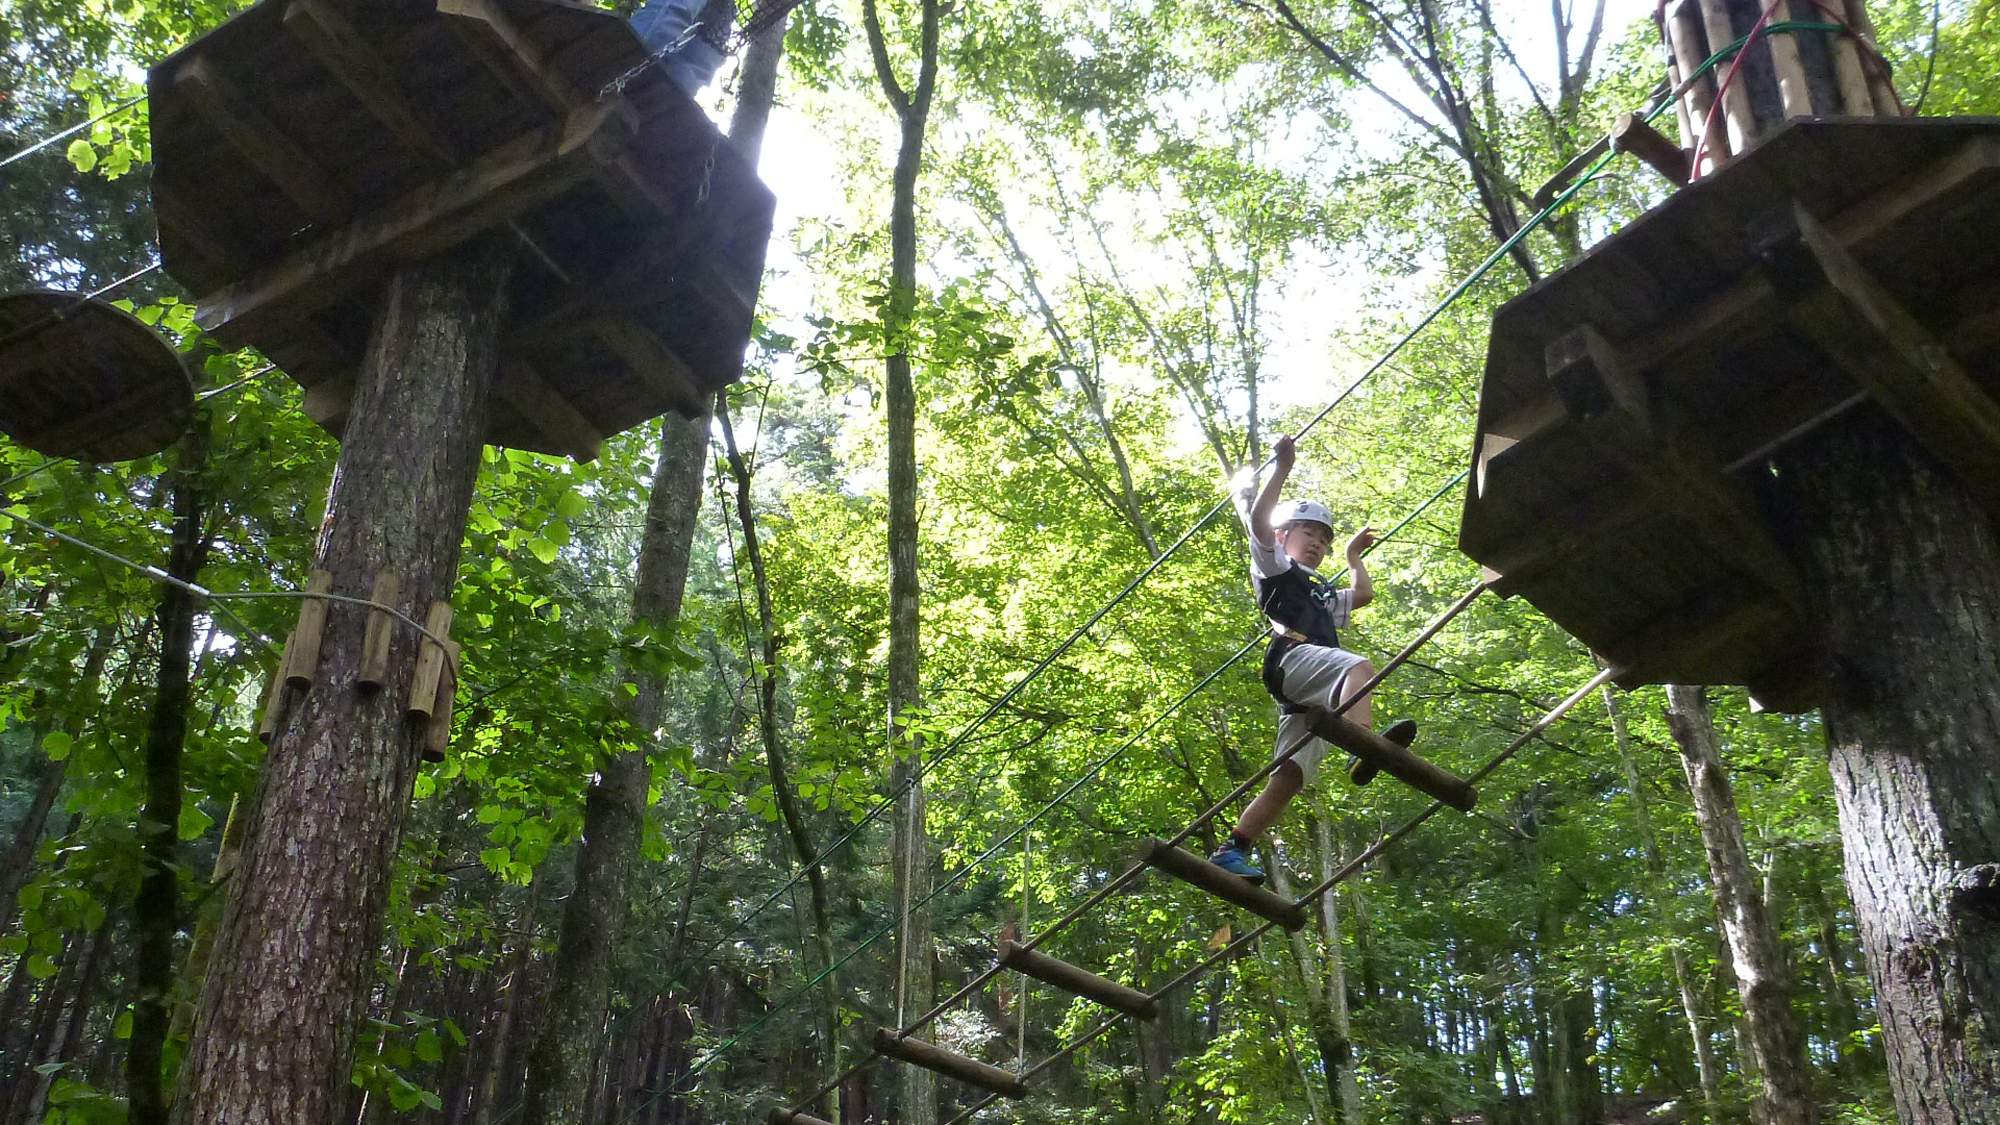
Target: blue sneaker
[1236, 861]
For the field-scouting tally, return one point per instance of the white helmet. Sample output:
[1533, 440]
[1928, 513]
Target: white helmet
[1302, 511]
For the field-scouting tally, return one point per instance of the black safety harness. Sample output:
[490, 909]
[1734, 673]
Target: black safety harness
[1301, 613]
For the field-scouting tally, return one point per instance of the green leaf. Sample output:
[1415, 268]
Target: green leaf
[56, 744]
[542, 549]
[194, 822]
[83, 154]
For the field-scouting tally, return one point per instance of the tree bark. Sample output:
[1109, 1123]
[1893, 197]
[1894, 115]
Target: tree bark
[915, 945]
[156, 909]
[1902, 575]
[295, 951]
[614, 806]
[757, 90]
[1775, 1038]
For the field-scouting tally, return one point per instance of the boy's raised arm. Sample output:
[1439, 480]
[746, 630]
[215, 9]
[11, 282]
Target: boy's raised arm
[1285, 453]
[1357, 570]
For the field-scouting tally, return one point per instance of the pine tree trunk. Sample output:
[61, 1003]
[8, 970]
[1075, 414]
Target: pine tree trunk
[614, 806]
[295, 951]
[1902, 573]
[1759, 964]
[156, 910]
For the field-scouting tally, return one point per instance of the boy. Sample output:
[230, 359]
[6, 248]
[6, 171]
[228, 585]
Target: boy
[691, 60]
[1305, 665]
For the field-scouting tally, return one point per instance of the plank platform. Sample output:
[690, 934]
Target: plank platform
[1192, 869]
[83, 378]
[305, 148]
[951, 1064]
[1631, 401]
[1084, 983]
[1394, 760]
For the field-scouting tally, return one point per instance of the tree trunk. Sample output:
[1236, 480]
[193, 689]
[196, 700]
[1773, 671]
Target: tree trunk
[1902, 574]
[1754, 954]
[916, 948]
[295, 951]
[1347, 1092]
[757, 90]
[27, 839]
[1693, 1008]
[156, 909]
[614, 806]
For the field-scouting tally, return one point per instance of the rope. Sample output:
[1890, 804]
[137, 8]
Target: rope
[1050, 806]
[69, 132]
[1346, 872]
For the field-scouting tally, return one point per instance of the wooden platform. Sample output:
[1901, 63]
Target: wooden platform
[80, 377]
[304, 148]
[1631, 401]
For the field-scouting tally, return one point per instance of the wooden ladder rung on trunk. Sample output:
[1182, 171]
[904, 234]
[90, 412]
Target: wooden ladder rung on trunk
[1191, 868]
[1090, 986]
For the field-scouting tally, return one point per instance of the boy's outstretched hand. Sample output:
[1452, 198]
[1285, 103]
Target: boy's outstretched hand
[1285, 452]
[1362, 540]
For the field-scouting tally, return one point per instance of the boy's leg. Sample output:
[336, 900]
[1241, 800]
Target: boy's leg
[1285, 783]
[1350, 688]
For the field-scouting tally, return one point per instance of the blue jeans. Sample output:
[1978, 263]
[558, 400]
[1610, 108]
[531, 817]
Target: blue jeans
[661, 22]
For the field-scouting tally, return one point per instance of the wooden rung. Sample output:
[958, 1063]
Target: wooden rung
[302, 651]
[437, 732]
[1191, 868]
[1630, 133]
[1090, 986]
[431, 658]
[1393, 760]
[381, 629]
[274, 697]
[951, 1064]
[788, 1117]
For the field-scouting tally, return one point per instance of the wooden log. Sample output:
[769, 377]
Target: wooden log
[1881, 93]
[1788, 66]
[1630, 133]
[262, 143]
[1589, 378]
[437, 730]
[359, 66]
[1851, 75]
[1090, 986]
[1567, 174]
[1868, 334]
[1393, 760]
[1739, 120]
[302, 649]
[951, 1064]
[431, 660]
[1675, 77]
[496, 187]
[381, 630]
[1192, 869]
[1689, 38]
[274, 699]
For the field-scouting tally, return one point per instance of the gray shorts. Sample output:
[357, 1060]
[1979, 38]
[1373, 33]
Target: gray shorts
[1313, 674]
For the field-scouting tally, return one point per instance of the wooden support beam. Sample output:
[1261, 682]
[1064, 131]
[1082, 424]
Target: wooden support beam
[261, 142]
[431, 660]
[327, 402]
[1396, 761]
[1590, 378]
[951, 1064]
[521, 65]
[1090, 986]
[1750, 302]
[560, 423]
[496, 187]
[1198, 872]
[1864, 331]
[349, 57]
[1631, 133]
[655, 363]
